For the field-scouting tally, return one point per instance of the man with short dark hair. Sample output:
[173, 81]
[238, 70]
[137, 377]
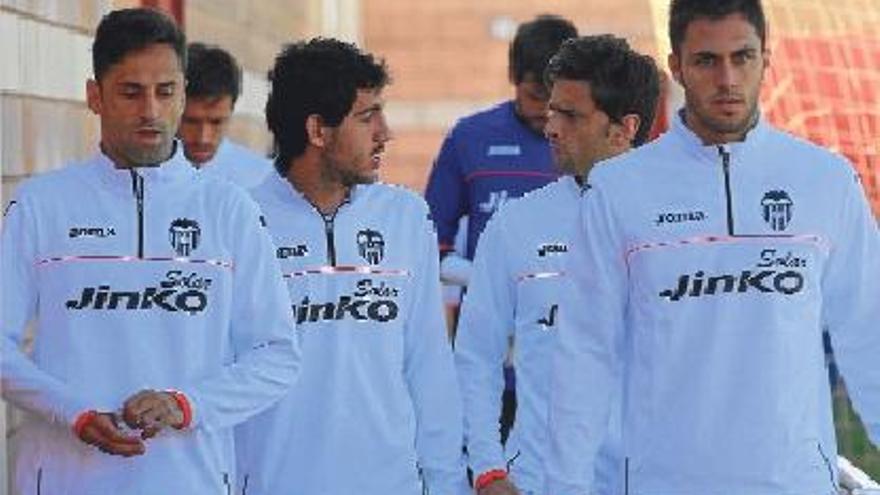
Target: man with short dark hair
[140, 276]
[499, 153]
[602, 101]
[494, 155]
[213, 85]
[376, 410]
[717, 254]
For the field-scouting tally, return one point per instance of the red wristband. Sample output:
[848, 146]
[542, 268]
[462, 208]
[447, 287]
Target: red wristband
[185, 408]
[489, 477]
[83, 420]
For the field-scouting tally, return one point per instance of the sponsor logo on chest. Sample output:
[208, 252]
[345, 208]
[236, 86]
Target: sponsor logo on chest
[177, 292]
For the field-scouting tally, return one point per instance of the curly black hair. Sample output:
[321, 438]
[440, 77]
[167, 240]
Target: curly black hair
[320, 76]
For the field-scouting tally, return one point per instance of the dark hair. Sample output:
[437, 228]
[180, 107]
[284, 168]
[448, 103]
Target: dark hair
[320, 76]
[622, 81]
[211, 72]
[129, 30]
[535, 42]
[684, 12]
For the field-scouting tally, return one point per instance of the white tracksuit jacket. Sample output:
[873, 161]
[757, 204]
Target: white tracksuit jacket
[146, 278]
[515, 292]
[720, 266]
[377, 397]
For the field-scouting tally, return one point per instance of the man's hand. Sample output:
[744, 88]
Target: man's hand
[499, 487]
[102, 431]
[151, 411]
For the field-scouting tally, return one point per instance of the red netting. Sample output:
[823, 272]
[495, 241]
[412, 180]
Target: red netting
[824, 80]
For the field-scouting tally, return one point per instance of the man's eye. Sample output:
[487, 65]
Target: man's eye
[741, 58]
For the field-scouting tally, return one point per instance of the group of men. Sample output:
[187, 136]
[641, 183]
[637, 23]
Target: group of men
[666, 304]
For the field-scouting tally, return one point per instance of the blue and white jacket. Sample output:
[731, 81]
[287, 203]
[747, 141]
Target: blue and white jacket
[486, 159]
[719, 266]
[153, 277]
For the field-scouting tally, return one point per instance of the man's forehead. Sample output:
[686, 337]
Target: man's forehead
[212, 102]
[572, 92]
[727, 34]
[367, 98]
[154, 63]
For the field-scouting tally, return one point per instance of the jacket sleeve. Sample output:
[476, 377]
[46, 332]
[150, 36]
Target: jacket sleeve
[851, 287]
[262, 330]
[23, 383]
[585, 364]
[484, 326]
[429, 373]
[445, 192]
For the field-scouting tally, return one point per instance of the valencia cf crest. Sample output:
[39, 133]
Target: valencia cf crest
[371, 246]
[777, 206]
[184, 235]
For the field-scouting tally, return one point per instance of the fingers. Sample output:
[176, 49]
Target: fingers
[134, 407]
[151, 411]
[103, 433]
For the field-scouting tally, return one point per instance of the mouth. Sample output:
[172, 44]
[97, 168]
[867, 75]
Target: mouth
[376, 157]
[728, 103]
[149, 134]
[200, 154]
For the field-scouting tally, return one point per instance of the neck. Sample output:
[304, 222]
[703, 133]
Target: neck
[304, 173]
[120, 162]
[711, 137]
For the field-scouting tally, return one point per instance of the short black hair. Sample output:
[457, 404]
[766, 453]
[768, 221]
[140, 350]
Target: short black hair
[535, 42]
[320, 76]
[124, 31]
[211, 72]
[684, 12]
[622, 81]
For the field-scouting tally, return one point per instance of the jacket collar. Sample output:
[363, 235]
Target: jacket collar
[692, 143]
[286, 193]
[175, 169]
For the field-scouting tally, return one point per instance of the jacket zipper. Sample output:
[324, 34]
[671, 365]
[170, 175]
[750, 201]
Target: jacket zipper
[226, 484]
[626, 476]
[39, 481]
[725, 165]
[137, 186]
[331, 243]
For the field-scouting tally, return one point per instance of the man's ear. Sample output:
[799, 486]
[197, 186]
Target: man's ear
[93, 96]
[674, 63]
[624, 133]
[316, 131]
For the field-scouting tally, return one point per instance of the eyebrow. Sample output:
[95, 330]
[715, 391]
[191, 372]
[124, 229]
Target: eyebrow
[133, 84]
[709, 53]
[372, 108]
[557, 108]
